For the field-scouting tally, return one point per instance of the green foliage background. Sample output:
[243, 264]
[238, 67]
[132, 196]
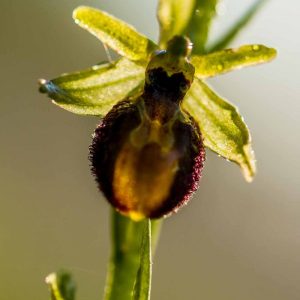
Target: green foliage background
[240, 241]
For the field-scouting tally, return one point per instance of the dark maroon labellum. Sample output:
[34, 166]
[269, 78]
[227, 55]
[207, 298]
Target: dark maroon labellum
[147, 154]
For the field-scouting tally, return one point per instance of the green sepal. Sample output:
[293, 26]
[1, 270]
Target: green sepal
[143, 279]
[173, 17]
[241, 23]
[96, 90]
[224, 61]
[61, 285]
[116, 34]
[222, 127]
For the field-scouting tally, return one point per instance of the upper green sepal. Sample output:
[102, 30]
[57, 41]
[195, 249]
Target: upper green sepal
[96, 90]
[118, 35]
[173, 17]
[222, 127]
[199, 24]
[224, 61]
[61, 285]
[191, 18]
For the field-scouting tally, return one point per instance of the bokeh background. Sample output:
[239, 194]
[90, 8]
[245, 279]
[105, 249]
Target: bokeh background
[235, 241]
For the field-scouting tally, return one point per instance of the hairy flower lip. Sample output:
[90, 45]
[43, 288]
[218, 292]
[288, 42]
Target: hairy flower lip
[147, 154]
[110, 137]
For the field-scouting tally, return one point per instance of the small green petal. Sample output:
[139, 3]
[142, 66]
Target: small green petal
[173, 17]
[228, 60]
[96, 90]
[237, 27]
[118, 35]
[62, 286]
[223, 128]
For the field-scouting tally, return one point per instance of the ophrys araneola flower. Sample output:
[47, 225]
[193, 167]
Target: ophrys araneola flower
[153, 109]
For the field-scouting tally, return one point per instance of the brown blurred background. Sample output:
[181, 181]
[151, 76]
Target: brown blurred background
[235, 241]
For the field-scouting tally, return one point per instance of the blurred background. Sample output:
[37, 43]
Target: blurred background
[235, 241]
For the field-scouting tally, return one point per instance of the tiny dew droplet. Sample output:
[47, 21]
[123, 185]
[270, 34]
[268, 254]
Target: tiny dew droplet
[199, 13]
[221, 9]
[190, 46]
[42, 81]
[255, 47]
[220, 67]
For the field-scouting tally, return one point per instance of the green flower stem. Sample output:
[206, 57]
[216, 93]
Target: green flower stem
[126, 255]
[156, 226]
[142, 285]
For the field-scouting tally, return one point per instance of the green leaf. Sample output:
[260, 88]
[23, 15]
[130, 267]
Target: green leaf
[228, 37]
[228, 60]
[118, 35]
[222, 127]
[96, 90]
[125, 260]
[173, 17]
[143, 280]
[62, 286]
[199, 25]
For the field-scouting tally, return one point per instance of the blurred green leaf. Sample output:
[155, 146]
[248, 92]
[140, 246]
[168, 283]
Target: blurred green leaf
[96, 90]
[118, 35]
[173, 17]
[126, 254]
[199, 25]
[143, 280]
[223, 129]
[62, 286]
[229, 36]
[231, 59]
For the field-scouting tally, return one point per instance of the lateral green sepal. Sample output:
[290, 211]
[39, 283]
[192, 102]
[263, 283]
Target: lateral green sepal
[222, 127]
[96, 90]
